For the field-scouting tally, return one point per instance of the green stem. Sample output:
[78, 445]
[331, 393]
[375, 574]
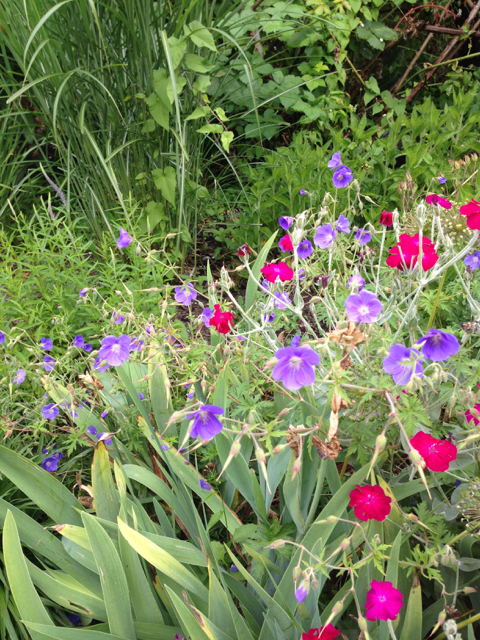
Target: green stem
[317, 495]
[435, 304]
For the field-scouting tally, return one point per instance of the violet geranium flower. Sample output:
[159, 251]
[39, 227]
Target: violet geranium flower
[363, 236]
[402, 362]
[206, 425]
[343, 224]
[363, 307]
[2, 337]
[342, 176]
[295, 367]
[124, 239]
[304, 250]
[295, 342]
[324, 236]
[281, 300]
[185, 294]
[78, 342]
[473, 261]
[302, 591]
[82, 292]
[356, 282]
[50, 464]
[438, 345]
[441, 179]
[19, 377]
[335, 161]
[48, 363]
[383, 601]
[50, 411]
[205, 485]
[285, 222]
[46, 343]
[207, 315]
[100, 365]
[114, 350]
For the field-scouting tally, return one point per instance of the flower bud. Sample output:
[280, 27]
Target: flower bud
[279, 448]
[336, 609]
[362, 623]
[176, 417]
[416, 458]
[260, 455]
[344, 545]
[331, 519]
[296, 467]
[469, 590]
[380, 443]
[235, 450]
[314, 584]
[297, 572]
[224, 278]
[277, 544]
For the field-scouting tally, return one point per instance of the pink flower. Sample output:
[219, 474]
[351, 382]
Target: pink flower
[370, 503]
[472, 211]
[438, 201]
[437, 453]
[279, 270]
[285, 243]
[386, 218]
[383, 601]
[469, 415]
[407, 251]
[222, 320]
[327, 632]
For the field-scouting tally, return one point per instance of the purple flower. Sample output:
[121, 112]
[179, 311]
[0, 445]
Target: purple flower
[206, 315]
[78, 342]
[140, 395]
[104, 414]
[2, 337]
[265, 285]
[324, 236]
[74, 619]
[115, 350]
[285, 221]
[205, 485]
[357, 282]
[20, 377]
[148, 329]
[185, 294]
[343, 224]
[91, 430]
[57, 455]
[190, 395]
[441, 179]
[363, 307]
[50, 464]
[87, 347]
[402, 362]
[165, 447]
[48, 363]
[438, 345]
[45, 343]
[303, 192]
[233, 569]
[295, 367]
[119, 319]
[301, 273]
[72, 413]
[136, 344]
[100, 365]
[473, 261]
[281, 300]
[295, 342]
[304, 249]
[205, 422]
[124, 239]
[269, 318]
[82, 292]
[50, 411]
[342, 176]
[335, 161]
[302, 591]
[44, 451]
[363, 236]
[103, 437]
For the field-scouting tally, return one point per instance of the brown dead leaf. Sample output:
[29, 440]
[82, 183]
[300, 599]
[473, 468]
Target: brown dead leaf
[86, 501]
[349, 335]
[346, 362]
[91, 380]
[329, 450]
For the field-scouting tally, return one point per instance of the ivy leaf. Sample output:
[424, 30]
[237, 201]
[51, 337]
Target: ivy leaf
[158, 110]
[198, 63]
[166, 182]
[180, 82]
[176, 48]
[202, 83]
[200, 112]
[227, 137]
[221, 114]
[211, 128]
[200, 35]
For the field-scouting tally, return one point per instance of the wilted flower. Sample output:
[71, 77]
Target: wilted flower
[285, 244]
[103, 437]
[279, 270]
[402, 362]
[438, 201]
[114, 350]
[243, 250]
[335, 161]
[438, 345]
[343, 224]
[206, 316]
[136, 344]
[469, 415]
[370, 502]
[46, 343]
[124, 239]
[356, 281]
[185, 294]
[50, 411]
[78, 342]
[405, 254]
[286, 221]
[437, 453]
[266, 318]
[342, 176]
[473, 261]
[472, 211]
[383, 601]
[324, 236]
[304, 249]
[295, 367]
[206, 425]
[386, 218]
[19, 377]
[363, 307]
[363, 236]
[222, 320]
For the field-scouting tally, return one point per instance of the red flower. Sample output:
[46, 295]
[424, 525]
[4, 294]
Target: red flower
[243, 250]
[437, 453]
[386, 218]
[469, 415]
[222, 320]
[370, 503]
[472, 211]
[279, 270]
[383, 601]
[324, 633]
[285, 243]
[406, 252]
[438, 200]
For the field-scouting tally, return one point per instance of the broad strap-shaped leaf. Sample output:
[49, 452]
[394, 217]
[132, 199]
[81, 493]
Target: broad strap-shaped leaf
[412, 625]
[48, 632]
[105, 494]
[192, 621]
[159, 386]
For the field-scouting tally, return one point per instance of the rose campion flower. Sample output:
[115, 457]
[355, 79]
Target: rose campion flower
[472, 211]
[46, 344]
[363, 307]
[469, 415]
[438, 201]
[295, 367]
[335, 161]
[386, 218]
[285, 244]
[327, 632]
[363, 236]
[383, 601]
[115, 350]
[304, 249]
[441, 179]
[206, 425]
[243, 251]
[324, 236]
[356, 282]
[343, 224]
[206, 316]
[370, 502]
[402, 362]
[438, 345]
[406, 253]
[78, 342]
[437, 453]
[286, 222]
[50, 411]
[19, 377]
[222, 320]
[48, 363]
[342, 176]
[185, 294]
[278, 270]
[124, 239]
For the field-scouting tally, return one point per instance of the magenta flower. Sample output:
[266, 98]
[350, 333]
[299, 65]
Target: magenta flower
[115, 350]
[304, 249]
[185, 294]
[324, 236]
[20, 377]
[363, 307]
[356, 282]
[124, 239]
[335, 161]
[206, 425]
[46, 343]
[438, 345]
[50, 411]
[295, 367]
[383, 601]
[342, 176]
[78, 342]
[207, 315]
[285, 222]
[473, 261]
[438, 201]
[402, 362]
[437, 454]
[363, 236]
[343, 224]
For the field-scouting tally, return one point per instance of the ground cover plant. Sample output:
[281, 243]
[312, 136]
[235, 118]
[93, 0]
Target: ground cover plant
[298, 460]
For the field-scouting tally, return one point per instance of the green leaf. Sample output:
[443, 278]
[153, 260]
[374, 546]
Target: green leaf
[200, 112]
[412, 626]
[221, 114]
[63, 633]
[154, 215]
[159, 386]
[372, 84]
[113, 580]
[166, 182]
[105, 495]
[211, 128]
[227, 138]
[198, 63]
[252, 288]
[159, 110]
[200, 35]
[202, 83]
[176, 48]
[191, 619]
